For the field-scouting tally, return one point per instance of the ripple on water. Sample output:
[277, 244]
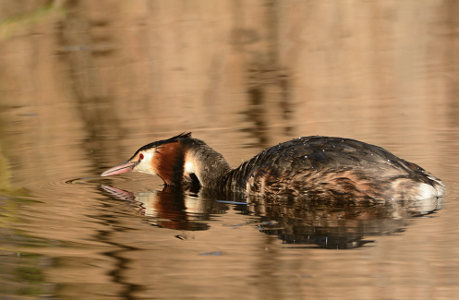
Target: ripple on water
[60, 217]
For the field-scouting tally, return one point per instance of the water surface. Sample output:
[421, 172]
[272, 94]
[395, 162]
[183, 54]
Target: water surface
[83, 84]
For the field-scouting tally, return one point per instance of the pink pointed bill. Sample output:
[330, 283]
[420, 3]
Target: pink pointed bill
[120, 169]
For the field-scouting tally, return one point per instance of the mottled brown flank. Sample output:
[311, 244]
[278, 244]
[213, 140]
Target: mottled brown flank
[168, 162]
[345, 184]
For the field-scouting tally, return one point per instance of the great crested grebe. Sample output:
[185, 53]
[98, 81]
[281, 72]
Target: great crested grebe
[314, 166]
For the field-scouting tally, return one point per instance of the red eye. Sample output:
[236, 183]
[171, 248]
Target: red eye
[140, 156]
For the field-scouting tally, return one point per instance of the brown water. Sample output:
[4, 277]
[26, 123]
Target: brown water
[83, 84]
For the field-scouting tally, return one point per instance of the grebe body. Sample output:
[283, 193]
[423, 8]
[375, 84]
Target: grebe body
[316, 166]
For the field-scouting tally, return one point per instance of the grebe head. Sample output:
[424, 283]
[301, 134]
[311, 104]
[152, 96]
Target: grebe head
[164, 158]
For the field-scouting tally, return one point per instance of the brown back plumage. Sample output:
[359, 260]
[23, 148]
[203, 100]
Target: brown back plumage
[330, 167]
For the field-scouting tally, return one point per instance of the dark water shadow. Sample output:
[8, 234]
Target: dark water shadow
[335, 225]
[297, 222]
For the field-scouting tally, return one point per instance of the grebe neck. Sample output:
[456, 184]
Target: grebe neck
[204, 164]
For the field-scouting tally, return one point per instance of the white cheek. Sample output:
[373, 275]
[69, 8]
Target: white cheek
[189, 167]
[145, 164]
[192, 168]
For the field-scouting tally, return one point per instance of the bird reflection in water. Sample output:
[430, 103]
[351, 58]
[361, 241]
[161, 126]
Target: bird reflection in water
[298, 222]
[170, 208]
[338, 226]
